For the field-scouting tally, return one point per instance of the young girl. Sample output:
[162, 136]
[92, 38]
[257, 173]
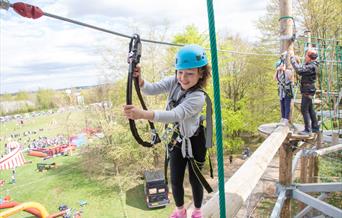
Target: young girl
[285, 80]
[184, 105]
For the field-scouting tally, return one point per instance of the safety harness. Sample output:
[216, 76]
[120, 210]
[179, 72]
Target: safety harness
[134, 55]
[177, 138]
[286, 86]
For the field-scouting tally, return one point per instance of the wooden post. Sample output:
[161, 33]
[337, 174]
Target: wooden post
[316, 161]
[310, 169]
[312, 163]
[285, 174]
[286, 32]
[285, 151]
[304, 166]
[303, 173]
[286, 28]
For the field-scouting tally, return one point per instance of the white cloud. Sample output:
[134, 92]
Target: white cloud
[60, 49]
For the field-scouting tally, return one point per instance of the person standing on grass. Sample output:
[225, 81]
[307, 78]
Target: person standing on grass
[230, 158]
[13, 178]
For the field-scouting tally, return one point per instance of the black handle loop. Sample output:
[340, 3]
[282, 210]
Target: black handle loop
[134, 56]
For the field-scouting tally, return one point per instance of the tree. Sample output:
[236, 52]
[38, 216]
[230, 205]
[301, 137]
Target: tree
[22, 95]
[262, 95]
[322, 18]
[6, 97]
[45, 98]
[269, 26]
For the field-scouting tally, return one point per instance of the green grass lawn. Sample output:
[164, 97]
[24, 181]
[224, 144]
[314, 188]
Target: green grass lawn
[67, 184]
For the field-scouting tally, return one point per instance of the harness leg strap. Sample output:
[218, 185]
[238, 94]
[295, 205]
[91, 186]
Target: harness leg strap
[199, 175]
[210, 165]
[166, 165]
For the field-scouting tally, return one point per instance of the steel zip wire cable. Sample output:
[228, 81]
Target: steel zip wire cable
[129, 37]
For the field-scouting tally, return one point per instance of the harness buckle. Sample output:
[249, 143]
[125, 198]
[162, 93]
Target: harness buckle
[166, 134]
[178, 139]
[172, 144]
[154, 137]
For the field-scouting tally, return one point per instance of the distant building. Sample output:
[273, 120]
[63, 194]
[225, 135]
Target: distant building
[68, 91]
[79, 99]
[102, 104]
[75, 97]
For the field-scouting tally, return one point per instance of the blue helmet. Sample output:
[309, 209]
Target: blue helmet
[190, 56]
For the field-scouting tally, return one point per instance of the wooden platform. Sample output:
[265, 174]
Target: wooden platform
[267, 129]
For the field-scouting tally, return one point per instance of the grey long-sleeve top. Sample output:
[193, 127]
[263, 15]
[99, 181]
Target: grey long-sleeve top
[187, 113]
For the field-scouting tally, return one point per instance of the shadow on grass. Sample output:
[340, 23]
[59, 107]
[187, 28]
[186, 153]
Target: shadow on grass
[70, 175]
[135, 197]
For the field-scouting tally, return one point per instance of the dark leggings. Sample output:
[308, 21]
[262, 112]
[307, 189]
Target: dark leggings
[177, 170]
[309, 114]
[285, 107]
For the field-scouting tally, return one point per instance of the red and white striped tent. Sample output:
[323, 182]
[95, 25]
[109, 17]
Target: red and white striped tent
[14, 159]
[12, 145]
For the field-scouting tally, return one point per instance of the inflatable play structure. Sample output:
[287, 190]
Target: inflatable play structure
[37, 153]
[78, 140]
[11, 146]
[91, 131]
[36, 209]
[13, 159]
[74, 142]
[51, 151]
[32, 210]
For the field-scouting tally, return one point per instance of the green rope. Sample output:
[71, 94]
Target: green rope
[218, 119]
[286, 17]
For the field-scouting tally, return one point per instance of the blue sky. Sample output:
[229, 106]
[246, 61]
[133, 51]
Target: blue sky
[48, 53]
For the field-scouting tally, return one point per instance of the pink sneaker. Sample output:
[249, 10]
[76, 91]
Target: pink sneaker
[178, 213]
[196, 214]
